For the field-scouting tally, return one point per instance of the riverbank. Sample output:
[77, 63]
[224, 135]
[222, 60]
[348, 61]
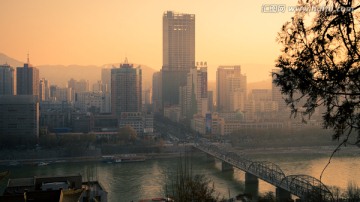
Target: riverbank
[56, 160]
[320, 151]
[323, 151]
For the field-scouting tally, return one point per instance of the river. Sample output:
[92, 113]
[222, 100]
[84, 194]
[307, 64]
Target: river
[138, 180]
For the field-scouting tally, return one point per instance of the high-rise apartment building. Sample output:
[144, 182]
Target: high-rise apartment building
[178, 53]
[78, 87]
[126, 89]
[276, 93]
[44, 89]
[19, 117]
[230, 89]
[106, 78]
[90, 102]
[193, 96]
[64, 94]
[7, 80]
[99, 86]
[27, 80]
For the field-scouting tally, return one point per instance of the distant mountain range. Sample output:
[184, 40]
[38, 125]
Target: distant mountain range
[60, 74]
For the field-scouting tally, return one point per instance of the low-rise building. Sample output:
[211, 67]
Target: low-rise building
[133, 119]
[173, 113]
[211, 124]
[81, 122]
[59, 188]
[55, 114]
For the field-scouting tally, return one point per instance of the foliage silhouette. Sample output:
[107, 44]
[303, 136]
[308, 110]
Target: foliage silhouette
[320, 65]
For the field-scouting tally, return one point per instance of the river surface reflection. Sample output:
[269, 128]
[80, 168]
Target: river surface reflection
[134, 181]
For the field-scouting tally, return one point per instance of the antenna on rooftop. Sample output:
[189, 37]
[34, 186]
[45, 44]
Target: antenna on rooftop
[126, 61]
[28, 58]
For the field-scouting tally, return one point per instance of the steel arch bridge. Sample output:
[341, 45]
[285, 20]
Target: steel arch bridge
[305, 187]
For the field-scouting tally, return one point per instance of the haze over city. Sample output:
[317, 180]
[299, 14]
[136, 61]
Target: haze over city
[231, 32]
[179, 100]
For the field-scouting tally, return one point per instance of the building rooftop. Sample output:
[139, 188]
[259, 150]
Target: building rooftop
[21, 182]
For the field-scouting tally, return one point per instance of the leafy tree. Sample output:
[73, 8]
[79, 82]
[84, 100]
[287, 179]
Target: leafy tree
[267, 197]
[185, 186]
[320, 65]
[126, 133]
[352, 192]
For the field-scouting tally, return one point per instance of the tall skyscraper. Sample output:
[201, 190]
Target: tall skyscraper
[27, 80]
[230, 88]
[126, 89]
[178, 53]
[7, 80]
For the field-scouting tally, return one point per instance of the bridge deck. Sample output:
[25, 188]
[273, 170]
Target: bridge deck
[305, 187]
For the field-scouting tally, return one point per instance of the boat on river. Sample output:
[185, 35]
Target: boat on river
[124, 158]
[43, 163]
[14, 163]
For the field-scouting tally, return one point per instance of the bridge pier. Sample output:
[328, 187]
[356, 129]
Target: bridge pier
[282, 195]
[252, 186]
[226, 166]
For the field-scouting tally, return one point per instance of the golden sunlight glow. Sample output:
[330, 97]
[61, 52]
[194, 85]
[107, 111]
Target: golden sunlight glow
[100, 32]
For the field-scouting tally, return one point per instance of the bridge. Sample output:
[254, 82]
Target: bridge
[305, 187]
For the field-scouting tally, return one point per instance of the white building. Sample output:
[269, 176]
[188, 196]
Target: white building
[193, 96]
[231, 88]
[87, 100]
[133, 119]
[64, 94]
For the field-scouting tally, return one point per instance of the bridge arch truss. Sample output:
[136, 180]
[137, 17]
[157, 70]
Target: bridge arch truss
[307, 187]
[268, 171]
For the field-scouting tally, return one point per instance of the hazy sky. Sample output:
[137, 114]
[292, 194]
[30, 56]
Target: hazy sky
[97, 32]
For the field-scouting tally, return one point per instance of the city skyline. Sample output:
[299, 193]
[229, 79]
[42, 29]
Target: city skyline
[86, 33]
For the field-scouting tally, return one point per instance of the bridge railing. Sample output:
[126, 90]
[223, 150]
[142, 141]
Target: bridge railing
[303, 186]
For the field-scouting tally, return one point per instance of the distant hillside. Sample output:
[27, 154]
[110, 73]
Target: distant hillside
[11, 61]
[60, 74]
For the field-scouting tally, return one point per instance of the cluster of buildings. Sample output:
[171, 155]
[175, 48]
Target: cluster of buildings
[180, 90]
[29, 105]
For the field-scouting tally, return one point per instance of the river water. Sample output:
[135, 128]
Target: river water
[139, 180]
